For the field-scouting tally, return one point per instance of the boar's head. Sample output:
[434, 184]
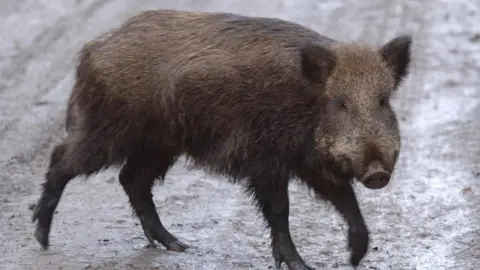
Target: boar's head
[358, 130]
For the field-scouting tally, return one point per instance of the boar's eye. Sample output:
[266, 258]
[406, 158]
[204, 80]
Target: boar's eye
[340, 103]
[383, 102]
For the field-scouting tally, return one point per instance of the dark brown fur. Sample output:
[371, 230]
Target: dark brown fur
[257, 99]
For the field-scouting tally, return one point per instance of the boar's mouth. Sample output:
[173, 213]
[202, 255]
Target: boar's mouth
[375, 176]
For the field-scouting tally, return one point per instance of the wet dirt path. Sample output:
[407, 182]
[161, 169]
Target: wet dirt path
[428, 218]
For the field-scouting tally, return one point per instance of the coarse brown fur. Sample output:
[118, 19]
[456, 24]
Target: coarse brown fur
[256, 99]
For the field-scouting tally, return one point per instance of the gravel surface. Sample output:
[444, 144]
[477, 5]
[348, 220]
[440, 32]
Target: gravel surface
[427, 218]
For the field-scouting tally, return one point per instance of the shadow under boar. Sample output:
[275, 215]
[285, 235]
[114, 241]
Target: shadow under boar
[260, 100]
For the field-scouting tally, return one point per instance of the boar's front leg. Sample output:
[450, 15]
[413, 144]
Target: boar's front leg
[271, 195]
[342, 196]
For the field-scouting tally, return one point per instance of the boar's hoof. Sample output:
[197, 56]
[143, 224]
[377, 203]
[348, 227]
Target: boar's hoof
[42, 237]
[375, 177]
[358, 244]
[41, 233]
[177, 246]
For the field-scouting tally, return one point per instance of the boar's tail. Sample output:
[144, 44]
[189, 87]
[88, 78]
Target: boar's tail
[81, 79]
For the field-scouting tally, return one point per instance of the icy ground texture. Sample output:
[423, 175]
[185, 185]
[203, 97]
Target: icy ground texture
[428, 218]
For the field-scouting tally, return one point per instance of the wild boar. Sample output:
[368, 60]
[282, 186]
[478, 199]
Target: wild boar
[260, 100]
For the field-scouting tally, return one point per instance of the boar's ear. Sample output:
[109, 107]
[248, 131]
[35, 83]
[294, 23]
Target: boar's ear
[396, 53]
[317, 62]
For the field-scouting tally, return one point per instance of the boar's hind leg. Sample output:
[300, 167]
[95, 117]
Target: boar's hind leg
[66, 162]
[271, 196]
[344, 200]
[137, 178]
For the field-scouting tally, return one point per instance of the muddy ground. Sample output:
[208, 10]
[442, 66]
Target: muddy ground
[428, 218]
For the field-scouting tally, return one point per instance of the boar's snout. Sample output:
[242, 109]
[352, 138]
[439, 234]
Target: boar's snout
[376, 176]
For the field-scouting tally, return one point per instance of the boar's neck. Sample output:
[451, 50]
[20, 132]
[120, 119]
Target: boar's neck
[318, 168]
